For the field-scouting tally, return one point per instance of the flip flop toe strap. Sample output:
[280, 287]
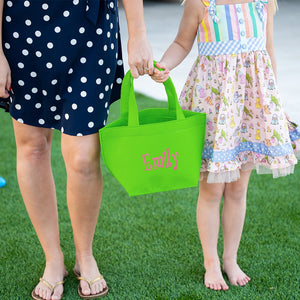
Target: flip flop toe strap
[90, 282]
[49, 285]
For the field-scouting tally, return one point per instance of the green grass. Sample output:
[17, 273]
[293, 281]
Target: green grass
[148, 246]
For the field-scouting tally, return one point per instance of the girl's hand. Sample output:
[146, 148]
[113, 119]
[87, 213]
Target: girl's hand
[5, 77]
[160, 75]
[140, 56]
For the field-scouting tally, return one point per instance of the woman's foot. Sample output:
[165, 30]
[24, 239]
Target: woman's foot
[86, 267]
[55, 271]
[213, 278]
[235, 275]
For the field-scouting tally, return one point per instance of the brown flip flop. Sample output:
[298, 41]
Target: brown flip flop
[90, 283]
[47, 284]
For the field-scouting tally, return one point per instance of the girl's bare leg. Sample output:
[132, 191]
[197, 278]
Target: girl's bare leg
[38, 192]
[233, 216]
[84, 192]
[208, 220]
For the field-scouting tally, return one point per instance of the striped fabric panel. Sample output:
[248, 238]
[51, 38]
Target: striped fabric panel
[228, 27]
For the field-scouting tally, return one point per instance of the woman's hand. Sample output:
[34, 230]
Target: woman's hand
[5, 76]
[160, 75]
[140, 57]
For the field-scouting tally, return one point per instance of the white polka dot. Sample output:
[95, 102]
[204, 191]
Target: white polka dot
[29, 40]
[25, 52]
[38, 53]
[18, 106]
[106, 104]
[63, 59]
[27, 97]
[83, 94]
[66, 13]
[81, 30]
[104, 122]
[20, 65]
[105, 47]
[38, 105]
[70, 89]
[107, 88]
[91, 124]
[98, 80]
[112, 26]
[108, 71]
[57, 29]
[9, 4]
[45, 6]
[57, 97]
[41, 121]
[53, 108]
[28, 22]
[33, 74]
[83, 79]
[54, 82]
[111, 86]
[73, 42]
[21, 82]
[112, 46]
[79, 134]
[119, 80]
[57, 117]
[50, 45]
[89, 44]
[99, 31]
[20, 120]
[70, 71]
[90, 109]
[8, 19]
[75, 2]
[101, 96]
[100, 62]
[107, 16]
[16, 35]
[83, 60]
[44, 93]
[108, 34]
[67, 116]
[62, 130]
[46, 18]
[111, 4]
[49, 65]
[34, 90]
[38, 33]
[120, 62]
[74, 106]
[7, 45]
[26, 3]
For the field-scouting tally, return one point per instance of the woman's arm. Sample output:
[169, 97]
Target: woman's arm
[270, 46]
[5, 79]
[140, 57]
[183, 43]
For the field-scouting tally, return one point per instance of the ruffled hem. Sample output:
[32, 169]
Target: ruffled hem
[231, 176]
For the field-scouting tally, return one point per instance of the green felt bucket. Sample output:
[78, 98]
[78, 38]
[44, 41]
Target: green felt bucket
[153, 150]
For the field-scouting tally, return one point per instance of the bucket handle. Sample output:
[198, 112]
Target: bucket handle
[129, 109]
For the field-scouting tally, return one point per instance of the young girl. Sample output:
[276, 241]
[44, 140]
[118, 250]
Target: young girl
[234, 82]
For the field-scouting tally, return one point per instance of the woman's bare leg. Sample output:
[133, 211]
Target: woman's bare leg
[233, 216]
[208, 220]
[38, 192]
[84, 192]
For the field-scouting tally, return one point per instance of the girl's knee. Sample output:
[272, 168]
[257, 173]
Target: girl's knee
[211, 193]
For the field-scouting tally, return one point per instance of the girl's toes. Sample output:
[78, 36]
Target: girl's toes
[85, 288]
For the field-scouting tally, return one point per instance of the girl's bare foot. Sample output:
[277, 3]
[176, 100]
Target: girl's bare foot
[55, 271]
[235, 275]
[87, 267]
[213, 278]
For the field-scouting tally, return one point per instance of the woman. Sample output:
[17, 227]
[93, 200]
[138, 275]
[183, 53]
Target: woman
[62, 60]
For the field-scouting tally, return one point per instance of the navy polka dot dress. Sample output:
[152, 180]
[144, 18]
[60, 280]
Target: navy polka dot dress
[66, 62]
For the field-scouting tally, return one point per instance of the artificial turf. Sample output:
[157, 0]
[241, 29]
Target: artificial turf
[147, 246]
